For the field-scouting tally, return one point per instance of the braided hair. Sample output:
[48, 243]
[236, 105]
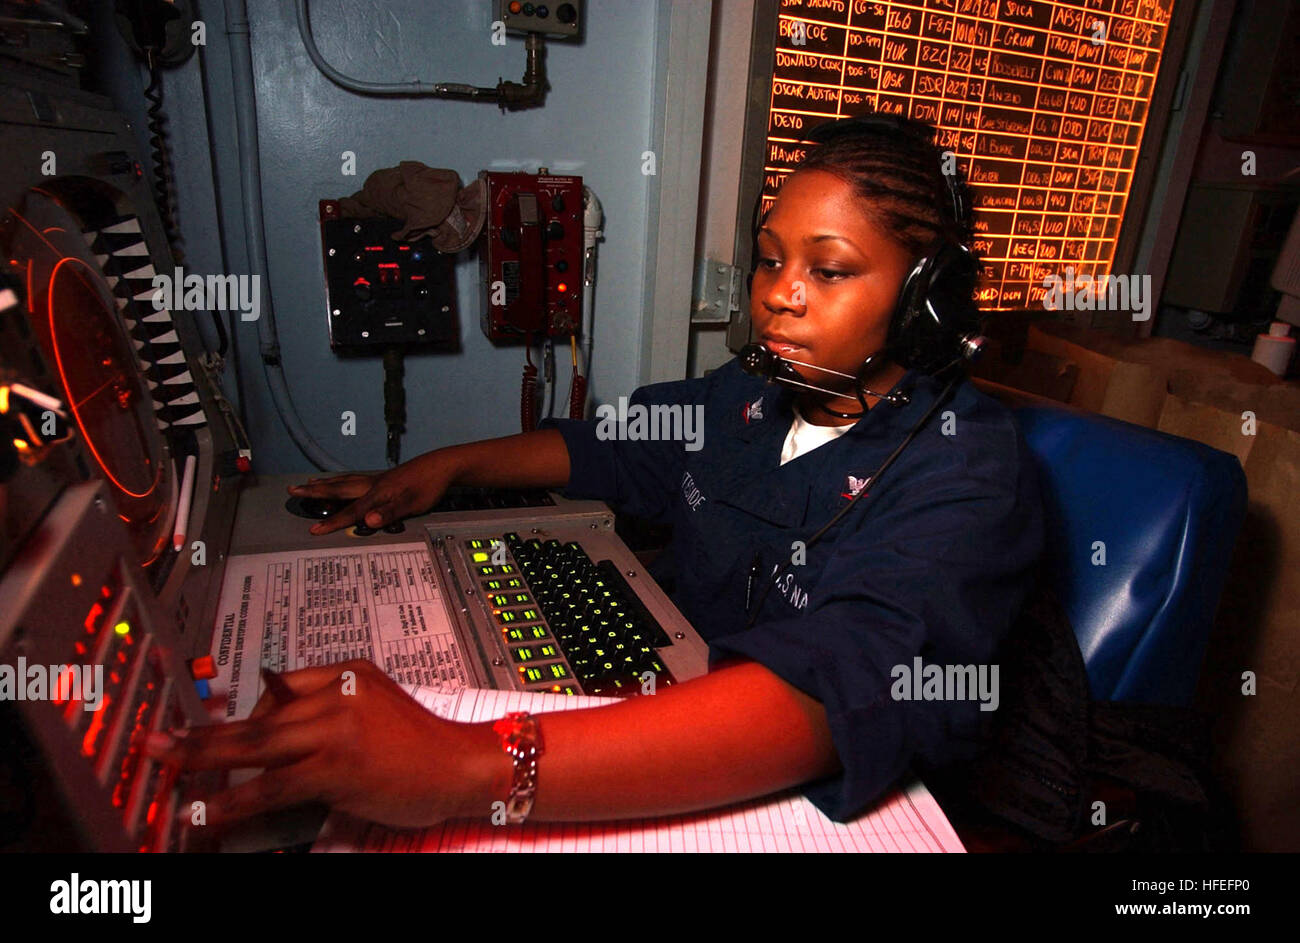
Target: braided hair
[898, 171]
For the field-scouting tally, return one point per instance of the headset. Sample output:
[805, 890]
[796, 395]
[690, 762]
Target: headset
[935, 324]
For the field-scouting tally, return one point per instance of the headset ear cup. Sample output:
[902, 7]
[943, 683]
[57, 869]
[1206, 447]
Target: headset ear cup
[936, 310]
[901, 339]
[955, 304]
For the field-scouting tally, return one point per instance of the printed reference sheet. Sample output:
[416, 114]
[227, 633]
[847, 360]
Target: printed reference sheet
[300, 609]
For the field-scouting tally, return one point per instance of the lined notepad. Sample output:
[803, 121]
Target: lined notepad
[907, 820]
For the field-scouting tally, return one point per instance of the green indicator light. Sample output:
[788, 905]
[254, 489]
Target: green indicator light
[481, 557]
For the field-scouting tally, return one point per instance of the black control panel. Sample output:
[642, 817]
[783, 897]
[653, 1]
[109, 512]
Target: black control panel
[382, 292]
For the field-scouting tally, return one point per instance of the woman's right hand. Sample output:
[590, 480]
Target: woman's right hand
[379, 500]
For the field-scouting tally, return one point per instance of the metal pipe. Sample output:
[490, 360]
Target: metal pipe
[250, 175]
[505, 94]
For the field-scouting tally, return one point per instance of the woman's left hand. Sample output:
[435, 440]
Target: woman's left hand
[355, 741]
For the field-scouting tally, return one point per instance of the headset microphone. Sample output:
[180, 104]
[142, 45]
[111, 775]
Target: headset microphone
[757, 360]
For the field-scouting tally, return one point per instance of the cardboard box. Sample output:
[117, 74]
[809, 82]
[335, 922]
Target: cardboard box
[1030, 370]
[1127, 378]
[1276, 403]
[1257, 628]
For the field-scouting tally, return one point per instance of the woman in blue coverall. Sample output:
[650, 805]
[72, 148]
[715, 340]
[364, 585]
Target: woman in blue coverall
[929, 568]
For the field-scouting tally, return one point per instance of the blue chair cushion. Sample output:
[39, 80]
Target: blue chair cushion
[1165, 512]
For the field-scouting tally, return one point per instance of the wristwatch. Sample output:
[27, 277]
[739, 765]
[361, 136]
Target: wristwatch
[521, 738]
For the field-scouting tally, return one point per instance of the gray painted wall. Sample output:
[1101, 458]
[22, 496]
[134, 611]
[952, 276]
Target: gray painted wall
[597, 121]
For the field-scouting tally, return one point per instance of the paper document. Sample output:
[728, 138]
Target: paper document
[907, 819]
[300, 609]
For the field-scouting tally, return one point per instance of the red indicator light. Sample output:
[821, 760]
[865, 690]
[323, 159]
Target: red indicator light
[562, 287]
[95, 728]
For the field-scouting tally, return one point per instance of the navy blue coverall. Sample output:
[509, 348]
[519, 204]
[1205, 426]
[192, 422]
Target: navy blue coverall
[934, 562]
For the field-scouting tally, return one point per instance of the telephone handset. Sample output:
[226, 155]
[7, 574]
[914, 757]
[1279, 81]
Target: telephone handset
[532, 267]
[157, 31]
[523, 233]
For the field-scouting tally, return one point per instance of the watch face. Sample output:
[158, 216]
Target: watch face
[517, 729]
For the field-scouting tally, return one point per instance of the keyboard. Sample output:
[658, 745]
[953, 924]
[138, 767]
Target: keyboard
[569, 624]
[606, 635]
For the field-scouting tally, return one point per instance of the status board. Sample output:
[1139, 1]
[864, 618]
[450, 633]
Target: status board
[1042, 104]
